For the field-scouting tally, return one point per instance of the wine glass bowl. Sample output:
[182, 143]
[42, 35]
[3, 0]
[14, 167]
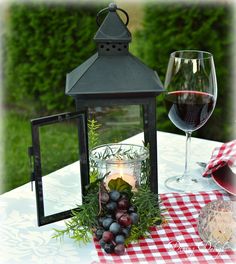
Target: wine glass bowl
[191, 93]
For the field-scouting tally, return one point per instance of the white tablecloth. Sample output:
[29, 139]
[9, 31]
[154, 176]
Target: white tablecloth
[22, 241]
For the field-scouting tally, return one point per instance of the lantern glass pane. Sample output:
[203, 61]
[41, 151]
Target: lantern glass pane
[117, 122]
[60, 166]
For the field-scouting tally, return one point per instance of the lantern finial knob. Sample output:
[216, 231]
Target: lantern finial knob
[112, 7]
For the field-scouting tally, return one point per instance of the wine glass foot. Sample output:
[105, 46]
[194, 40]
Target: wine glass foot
[186, 184]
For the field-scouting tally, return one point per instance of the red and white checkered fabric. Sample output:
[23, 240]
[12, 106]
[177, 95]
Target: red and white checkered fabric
[225, 154]
[178, 240]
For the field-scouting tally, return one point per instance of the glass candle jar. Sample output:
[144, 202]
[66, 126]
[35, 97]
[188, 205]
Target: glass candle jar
[119, 161]
[217, 224]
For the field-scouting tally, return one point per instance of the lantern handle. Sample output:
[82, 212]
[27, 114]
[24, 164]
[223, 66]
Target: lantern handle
[112, 8]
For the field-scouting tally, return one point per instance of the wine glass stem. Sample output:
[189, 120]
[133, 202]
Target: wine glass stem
[187, 154]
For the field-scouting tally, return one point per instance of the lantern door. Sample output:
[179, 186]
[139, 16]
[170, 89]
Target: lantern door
[58, 142]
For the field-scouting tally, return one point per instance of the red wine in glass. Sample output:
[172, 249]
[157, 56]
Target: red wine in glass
[189, 110]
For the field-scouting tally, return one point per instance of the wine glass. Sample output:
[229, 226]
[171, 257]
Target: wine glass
[191, 92]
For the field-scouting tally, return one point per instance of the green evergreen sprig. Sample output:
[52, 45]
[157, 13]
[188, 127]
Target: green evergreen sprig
[147, 204]
[80, 227]
[117, 153]
[93, 135]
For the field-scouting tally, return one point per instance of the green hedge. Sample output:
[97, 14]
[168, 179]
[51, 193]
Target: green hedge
[173, 27]
[44, 42]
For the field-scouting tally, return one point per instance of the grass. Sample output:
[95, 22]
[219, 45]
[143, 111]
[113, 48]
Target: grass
[17, 138]
[59, 146]
[58, 142]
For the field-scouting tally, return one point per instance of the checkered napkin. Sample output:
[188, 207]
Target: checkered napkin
[225, 154]
[178, 240]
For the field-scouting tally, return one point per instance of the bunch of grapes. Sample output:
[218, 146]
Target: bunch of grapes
[115, 224]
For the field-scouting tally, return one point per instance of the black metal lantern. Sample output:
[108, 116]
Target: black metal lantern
[111, 77]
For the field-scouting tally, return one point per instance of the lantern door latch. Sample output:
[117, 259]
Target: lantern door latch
[32, 174]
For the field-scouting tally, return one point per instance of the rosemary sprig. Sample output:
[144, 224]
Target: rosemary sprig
[80, 227]
[148, 209]
[93, 134]
[118, 154]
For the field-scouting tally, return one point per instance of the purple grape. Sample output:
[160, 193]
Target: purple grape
[120, 239]
[107, 236]
[107, 222]
[134, 218]
[98, 233]
[115, 228]
[114, 195]
[109, 248]
[125, 220]
[119, 213]
[119, 249]
[111, 206]
[123, 204]
[125, 231]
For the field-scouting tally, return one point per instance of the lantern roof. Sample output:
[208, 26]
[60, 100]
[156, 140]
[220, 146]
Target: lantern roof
[112, 27]
[112, 75]
[113, 71]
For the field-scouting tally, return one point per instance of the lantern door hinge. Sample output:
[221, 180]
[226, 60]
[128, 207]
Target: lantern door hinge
[32, 175]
